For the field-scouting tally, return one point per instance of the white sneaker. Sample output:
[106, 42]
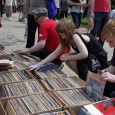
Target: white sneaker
[9, 19]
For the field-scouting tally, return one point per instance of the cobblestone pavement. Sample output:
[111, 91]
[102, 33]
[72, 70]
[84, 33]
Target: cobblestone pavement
[12, 34]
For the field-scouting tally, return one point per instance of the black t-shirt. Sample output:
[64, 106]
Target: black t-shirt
[113, 58]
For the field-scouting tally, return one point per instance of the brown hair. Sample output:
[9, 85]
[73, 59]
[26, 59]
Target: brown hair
[67, 26]
[108, 29]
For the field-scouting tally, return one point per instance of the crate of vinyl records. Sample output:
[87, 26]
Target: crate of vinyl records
[62, 83]
[51, 73]
[15, 76]
[25, 58]
[10, 65]
[93, 90]
[20, 89]
[20, 65]
[31, 104]
[5, 54]
[72, 99]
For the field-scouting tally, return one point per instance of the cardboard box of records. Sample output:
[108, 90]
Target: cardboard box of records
[62, 83]
[24, 58]
[5, 54]
[72, 99]
[30, 105]
[49, 74]
[15, 76]
[13, 66]
[64, 112]
[21, 88]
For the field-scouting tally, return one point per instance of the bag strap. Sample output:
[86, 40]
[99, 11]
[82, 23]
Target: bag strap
[101, 60]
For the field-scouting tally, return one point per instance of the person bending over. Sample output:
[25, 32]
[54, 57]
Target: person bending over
[79, 60]
[48, 39]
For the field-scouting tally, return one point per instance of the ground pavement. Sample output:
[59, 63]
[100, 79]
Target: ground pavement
[12, 36]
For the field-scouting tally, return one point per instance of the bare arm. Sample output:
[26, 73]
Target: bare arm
[111, 69]
[48, 59]
[107, 74]
[37, 47]
[83, 52]
[92, 8]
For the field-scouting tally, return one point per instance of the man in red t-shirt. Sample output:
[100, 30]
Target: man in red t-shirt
[100, 14]
[48, 39]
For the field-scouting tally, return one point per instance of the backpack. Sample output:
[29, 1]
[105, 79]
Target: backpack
[51, 7]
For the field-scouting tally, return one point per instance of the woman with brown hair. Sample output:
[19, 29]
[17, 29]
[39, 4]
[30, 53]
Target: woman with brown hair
[79, 58]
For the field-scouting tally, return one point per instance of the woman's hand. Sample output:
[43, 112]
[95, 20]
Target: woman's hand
[34, 67]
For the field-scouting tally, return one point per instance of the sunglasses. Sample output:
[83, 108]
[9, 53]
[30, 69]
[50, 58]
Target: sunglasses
[37, 17]
[61, 32]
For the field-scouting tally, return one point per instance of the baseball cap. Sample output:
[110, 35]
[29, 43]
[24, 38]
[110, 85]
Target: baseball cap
[39, 11]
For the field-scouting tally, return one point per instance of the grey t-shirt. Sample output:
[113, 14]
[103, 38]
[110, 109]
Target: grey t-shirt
[36, 4]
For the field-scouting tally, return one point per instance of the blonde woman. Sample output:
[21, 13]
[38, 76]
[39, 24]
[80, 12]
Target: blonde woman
[78, 60]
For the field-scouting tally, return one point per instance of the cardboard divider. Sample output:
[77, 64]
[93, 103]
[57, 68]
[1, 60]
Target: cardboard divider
[2, 110]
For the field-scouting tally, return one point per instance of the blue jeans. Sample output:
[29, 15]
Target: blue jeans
[99, 21]
[76, 17]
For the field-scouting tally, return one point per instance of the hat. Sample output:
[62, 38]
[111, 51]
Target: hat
[39, 11]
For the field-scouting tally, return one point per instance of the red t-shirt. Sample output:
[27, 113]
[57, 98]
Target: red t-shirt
[102, 6]
[47, 31]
